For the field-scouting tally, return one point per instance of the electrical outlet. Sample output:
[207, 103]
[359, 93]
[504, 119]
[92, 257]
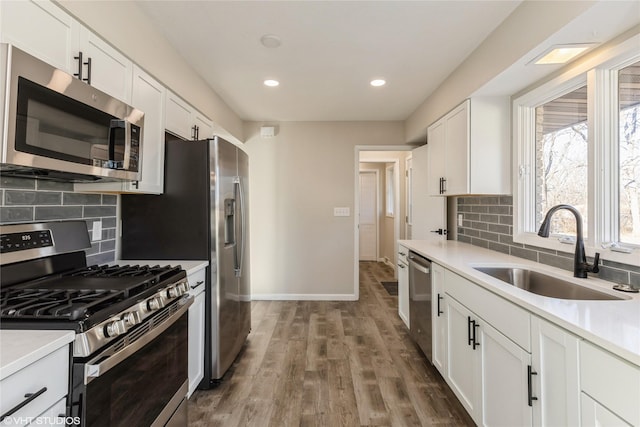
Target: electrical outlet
[460, 218]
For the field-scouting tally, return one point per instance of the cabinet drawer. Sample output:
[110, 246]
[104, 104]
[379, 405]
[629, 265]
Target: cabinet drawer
[50, 372]
[403, 253]
[197, 282]
[610, 381]
[508, 318]
[53, 416]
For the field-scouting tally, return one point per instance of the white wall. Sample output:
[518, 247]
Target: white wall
[299, 250]
[527, 27]
[129, 30]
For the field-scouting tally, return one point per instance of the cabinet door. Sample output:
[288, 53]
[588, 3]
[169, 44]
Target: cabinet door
[463, 362]
[42, 29]
[205, 126]
[596, 415]
[437, 152]
[403, 292]
[428, 213]
[196, 343]
[110, 71]
[456, 125]
[555, 360]
[178, 116]
[148, 96]
[439, 324]
[504, 380]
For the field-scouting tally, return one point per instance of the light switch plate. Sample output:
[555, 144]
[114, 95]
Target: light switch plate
[344, 211]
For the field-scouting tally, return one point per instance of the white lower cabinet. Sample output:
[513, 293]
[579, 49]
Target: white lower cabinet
[555, 382]
[486, 370]
[504, 370]
[463, 362]
[439, 324]
[403, 285]
[610, 386]
[486, 364]
[196, 329]
[40, 387]
[596, 415]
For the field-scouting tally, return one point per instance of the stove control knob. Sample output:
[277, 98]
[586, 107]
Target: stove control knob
[184, 287]
[173, 292]
[131, 318]
[154, 304]
[115, 328]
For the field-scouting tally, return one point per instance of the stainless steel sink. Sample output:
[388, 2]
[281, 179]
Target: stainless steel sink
[545, 285]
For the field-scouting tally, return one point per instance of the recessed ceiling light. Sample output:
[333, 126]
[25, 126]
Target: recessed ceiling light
[271, 41]
[271, 83]
[378, 82]
[561, 54]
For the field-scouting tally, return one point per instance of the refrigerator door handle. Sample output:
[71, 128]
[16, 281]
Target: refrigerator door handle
[240, 250]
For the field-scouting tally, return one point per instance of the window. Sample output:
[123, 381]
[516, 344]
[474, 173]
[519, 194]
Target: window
[390, 190]
[576, 141]
[561, 159]
[629, 154]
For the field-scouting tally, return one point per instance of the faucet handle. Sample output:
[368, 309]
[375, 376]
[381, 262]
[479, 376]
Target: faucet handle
[596, 262]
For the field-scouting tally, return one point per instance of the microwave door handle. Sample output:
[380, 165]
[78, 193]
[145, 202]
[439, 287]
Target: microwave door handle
[115, 124]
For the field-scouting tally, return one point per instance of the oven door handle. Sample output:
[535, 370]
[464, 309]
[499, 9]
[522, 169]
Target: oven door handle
[95, 370]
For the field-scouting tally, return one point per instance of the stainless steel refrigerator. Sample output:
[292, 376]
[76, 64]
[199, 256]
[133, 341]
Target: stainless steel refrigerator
[202, 215]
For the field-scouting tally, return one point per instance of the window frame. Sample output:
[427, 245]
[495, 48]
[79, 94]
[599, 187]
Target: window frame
[390, 191]
[600, 73]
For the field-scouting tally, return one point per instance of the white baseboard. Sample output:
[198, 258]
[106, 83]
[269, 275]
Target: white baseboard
[303, 297]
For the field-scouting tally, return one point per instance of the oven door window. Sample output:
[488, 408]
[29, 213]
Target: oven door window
[50, 124]
[135, 392]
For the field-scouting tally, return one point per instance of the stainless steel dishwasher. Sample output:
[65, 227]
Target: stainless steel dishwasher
[420, 302]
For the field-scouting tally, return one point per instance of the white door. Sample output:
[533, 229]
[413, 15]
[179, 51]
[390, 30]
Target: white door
[368, 229]
[428, 212]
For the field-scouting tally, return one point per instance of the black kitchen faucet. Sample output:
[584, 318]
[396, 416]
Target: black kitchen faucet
[580, 265]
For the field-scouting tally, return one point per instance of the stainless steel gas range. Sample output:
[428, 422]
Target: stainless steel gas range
[131, 323]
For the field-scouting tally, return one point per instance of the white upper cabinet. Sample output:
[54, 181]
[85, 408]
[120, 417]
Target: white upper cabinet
[184, 120]
[469, 150]
[43, 30]
[49, 33]
[104, 67]
[148, 95]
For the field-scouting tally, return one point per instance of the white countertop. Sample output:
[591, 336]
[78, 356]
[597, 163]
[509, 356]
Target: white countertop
[19, 349]
[613, 325]
[189, 266]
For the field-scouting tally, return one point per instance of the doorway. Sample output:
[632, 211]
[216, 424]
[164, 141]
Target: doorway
[389, 164]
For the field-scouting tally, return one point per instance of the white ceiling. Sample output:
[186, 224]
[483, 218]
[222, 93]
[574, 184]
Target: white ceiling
[330, 51]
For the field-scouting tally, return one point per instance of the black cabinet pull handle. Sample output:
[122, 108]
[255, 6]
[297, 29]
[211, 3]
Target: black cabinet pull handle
[198, 283]
[80, 62]
[29, 397]
[440, 311]
[469, 338]
[475, 341]
[530, 396]
[88, 64]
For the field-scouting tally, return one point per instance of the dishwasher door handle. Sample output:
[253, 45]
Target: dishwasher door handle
[421, 268]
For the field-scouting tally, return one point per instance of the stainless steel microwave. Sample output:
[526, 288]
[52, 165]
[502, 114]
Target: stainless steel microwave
[55, 126]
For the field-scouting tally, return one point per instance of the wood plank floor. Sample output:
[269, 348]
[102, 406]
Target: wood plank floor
[325, 363]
